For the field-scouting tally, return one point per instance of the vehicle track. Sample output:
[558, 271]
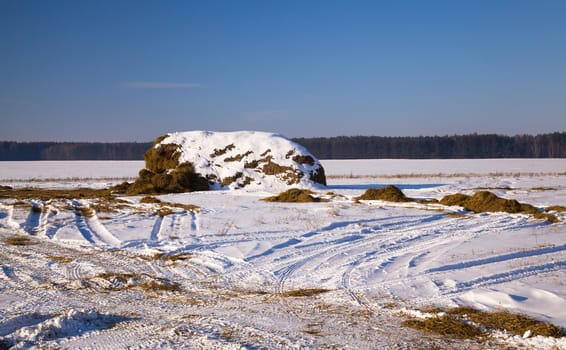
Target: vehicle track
[91, 228]
[33, 221]
[498, 258]
[507, 276]
[379, 250]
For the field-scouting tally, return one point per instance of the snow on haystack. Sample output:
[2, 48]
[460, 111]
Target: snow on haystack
[201, 160]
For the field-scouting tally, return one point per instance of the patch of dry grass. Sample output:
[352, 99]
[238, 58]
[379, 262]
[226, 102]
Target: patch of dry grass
[85, 210]
[543, 189]
[220, 151]
[19, 240]
[172, 257]
[466, 322]
[304, 292]
[558, 208]
[48, 194]
[294, 195]
[516, 324]
[457, 215]
[150, 200]
[546, 216]
[483, 201]
[388, 193]
[166, 208]
[488, 202]
[124, 281]
[445, 326]
[60, 259]
[238, 157]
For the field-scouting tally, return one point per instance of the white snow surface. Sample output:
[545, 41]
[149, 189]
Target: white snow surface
[217, 277]
[199, 147]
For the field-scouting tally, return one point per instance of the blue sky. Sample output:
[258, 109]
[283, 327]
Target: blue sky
[110, 70]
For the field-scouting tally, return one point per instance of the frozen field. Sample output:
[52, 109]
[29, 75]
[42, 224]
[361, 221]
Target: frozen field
[244, 273]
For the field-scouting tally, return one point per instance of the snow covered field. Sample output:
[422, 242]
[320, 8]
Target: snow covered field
[241, 272]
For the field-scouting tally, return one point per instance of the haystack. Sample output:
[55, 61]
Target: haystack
[203, 160]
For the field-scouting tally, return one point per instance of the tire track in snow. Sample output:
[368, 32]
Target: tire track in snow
[458, 232]
[33, 221]
[7, 217]
[345, 284]
[156, 229]
[170, 227]
[194, 221]
[38, 219]
[498, 259]
[91, 228]
[345, 238]
[507, 276]
[344, 246]
[386, 251]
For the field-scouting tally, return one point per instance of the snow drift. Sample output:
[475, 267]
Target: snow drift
[202, 160]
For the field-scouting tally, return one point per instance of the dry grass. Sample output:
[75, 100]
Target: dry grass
[68, 179]
[166, 208]
[304, 292]
[516, 324]
[314, 329]
[102, 200]
[457, 215]
[294, 195]
[48, 194]
[546, 216]
[558, 208]
[238, 157]
[177, 179]
[287, 173]
[465, 322]
[160, 286]
[172, 257]
[543, 189]
[303, 159]
[85, 210]
[124, 281]
[480, 202]
[218, 152]
[445, 326]
[230, 179]
[150, 200]
[389, 193]
[60, 259]
[163, 211]
[19, 240]
[485, 201]
[164, 173]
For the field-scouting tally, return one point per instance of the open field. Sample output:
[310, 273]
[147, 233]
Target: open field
[232, 271]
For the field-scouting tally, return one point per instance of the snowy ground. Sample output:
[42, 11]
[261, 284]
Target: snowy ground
[224, 277]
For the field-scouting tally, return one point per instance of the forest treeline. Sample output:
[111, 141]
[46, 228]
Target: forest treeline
[438, 147]
[72, 150]
[341, 147]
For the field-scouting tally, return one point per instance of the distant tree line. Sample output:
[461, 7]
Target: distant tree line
[341, 147]
[72, 150]
[438, 147]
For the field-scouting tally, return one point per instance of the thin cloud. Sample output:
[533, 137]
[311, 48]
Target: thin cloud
[161, 85]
